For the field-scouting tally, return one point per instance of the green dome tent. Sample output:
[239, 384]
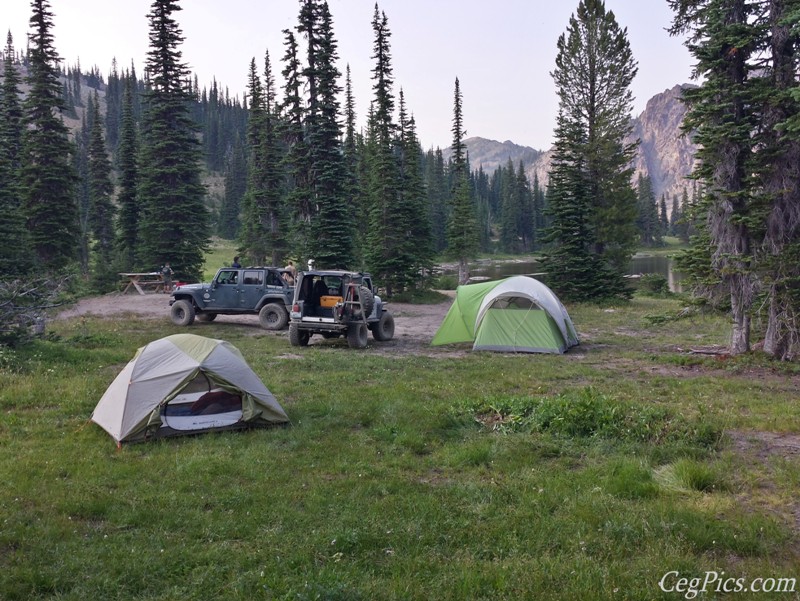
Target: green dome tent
[185, 384]
[518, 314]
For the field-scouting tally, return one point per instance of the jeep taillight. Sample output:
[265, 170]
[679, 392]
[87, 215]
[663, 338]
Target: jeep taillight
[296, 308]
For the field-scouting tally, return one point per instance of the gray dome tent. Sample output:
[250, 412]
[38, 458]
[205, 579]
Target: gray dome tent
[185, 384]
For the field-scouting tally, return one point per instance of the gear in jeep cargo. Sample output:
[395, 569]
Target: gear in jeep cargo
[338, 303]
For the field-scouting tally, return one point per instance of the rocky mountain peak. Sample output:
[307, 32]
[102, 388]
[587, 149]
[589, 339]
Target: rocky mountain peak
[664, 152]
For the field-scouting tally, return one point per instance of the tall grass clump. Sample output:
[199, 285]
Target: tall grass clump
[587, 413]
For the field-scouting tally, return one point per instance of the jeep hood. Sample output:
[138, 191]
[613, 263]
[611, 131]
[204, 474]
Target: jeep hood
[185, 287]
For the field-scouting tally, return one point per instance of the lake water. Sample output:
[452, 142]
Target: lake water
[640, 265]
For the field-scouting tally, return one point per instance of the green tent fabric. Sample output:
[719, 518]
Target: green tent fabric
[185, 384]
[517, 314]
[459, 323]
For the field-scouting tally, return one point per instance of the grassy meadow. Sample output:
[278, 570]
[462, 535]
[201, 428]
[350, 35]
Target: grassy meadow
[440, 475]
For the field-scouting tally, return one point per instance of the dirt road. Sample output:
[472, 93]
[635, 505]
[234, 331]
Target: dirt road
[415, 325]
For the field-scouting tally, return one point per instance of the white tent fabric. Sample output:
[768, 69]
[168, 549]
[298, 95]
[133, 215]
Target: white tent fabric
[132, 405]
[538, 293]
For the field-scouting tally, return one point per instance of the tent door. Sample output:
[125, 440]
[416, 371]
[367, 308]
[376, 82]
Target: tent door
[199, 407]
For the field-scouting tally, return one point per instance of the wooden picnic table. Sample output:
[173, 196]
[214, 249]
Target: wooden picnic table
[141, 282]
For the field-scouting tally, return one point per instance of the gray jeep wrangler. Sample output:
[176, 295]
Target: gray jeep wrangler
[338, 303]
[258, 291]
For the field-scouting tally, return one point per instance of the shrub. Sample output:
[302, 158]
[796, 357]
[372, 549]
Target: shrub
[654, 284]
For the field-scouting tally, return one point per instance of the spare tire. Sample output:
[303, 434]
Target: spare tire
[367, 301]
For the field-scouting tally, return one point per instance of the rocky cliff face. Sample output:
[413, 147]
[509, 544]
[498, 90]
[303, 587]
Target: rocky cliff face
[664, 152]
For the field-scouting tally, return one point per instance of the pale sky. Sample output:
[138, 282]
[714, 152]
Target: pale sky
[502, 51]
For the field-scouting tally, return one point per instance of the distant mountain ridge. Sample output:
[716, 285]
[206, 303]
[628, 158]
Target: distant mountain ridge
[492, 154]
[664, 152]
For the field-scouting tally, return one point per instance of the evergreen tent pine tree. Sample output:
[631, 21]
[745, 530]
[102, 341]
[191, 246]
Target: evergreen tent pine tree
[101, 208]
[570, 259]
[462, 226]
[46, 173]
[296, 158]
[647, 221]
[721, 116]
[235, 187]
[663, 217]
[355, 166]
[510, 209]
[263, 231]
[127, 229]
[80, 163]
[174, 223]
[527, 209]
[417, 244]
[332, 228]
[592, 203]
[746, 115]
[385, 252]
[15, 257]
[779, 171]
[436, 186]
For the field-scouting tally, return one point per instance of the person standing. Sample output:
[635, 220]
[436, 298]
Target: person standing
[166, 275]
[236, 264]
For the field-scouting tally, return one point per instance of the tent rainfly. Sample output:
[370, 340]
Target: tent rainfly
[517, 314]
[185, 384]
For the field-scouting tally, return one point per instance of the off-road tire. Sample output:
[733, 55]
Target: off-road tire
[383, 330]
[273, 317]
[298, 337]
[182, 313]
[357, 335]
[203, 316]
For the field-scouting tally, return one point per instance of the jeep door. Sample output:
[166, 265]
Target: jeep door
[225, 294]
[251, 288]
[278, 288]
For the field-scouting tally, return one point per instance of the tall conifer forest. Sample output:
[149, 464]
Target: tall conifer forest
[118, 171]
[284, 172]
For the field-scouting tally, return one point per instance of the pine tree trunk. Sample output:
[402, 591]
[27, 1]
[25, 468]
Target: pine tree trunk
[740, 335]
[463, 271]
[782, 338]
[731, 261]
[782, 185]
[774, 342]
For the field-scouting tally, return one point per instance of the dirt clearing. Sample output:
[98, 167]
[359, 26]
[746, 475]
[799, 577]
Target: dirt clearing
[415, 325]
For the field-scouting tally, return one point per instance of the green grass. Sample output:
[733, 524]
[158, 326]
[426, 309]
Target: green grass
[220, 254]
[448, 477]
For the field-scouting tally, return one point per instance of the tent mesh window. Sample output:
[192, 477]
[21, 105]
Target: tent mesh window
[515, 302]
[199, 405]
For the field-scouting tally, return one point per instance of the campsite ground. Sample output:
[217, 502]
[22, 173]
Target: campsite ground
[415, 324]
[408, 472]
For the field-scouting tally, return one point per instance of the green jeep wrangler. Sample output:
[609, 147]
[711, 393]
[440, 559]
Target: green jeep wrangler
[258, 291]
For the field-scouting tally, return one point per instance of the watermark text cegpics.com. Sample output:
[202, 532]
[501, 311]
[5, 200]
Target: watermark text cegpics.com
[718, 582]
